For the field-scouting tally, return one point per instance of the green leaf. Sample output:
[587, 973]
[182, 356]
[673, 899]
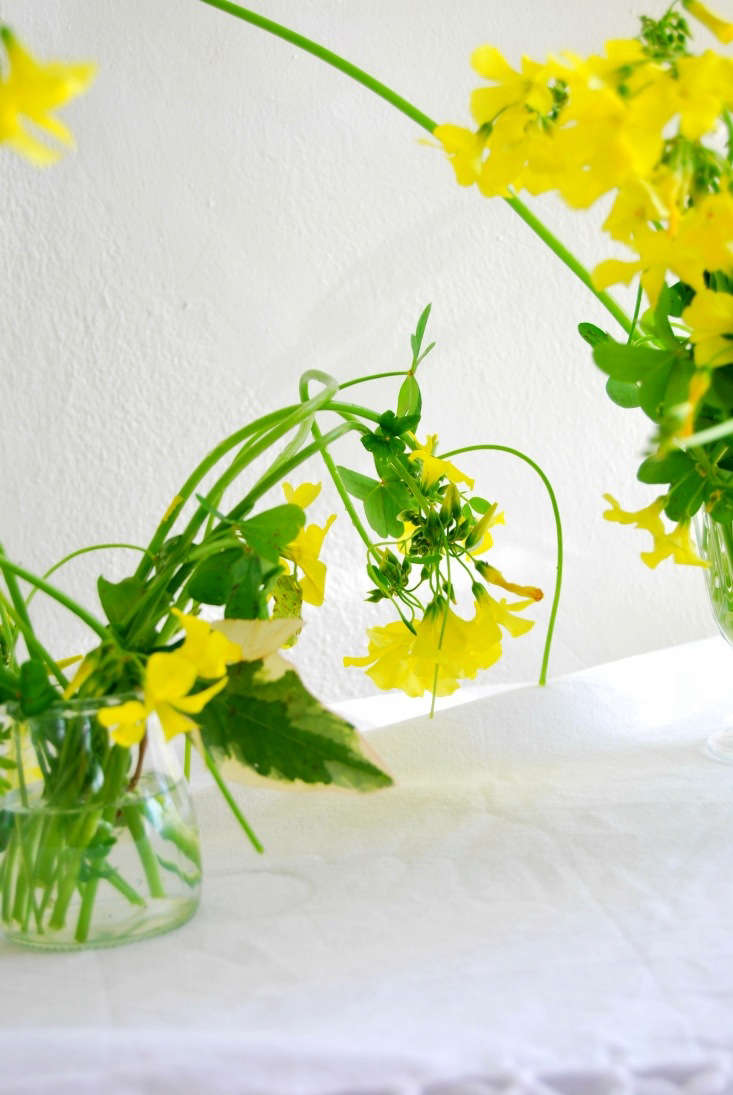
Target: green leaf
[281, 731]
[212, 580]
[36, 693]
[272, 530]
[287, 602]
[592, 335]
[665, 469]
[665, 386]
[686, 496]
[245, 600]
[624, 393]
[409, 400]
[361, 486]
[119, 600]
[479, 505]
[383, 500]
[393, 425]
[416, 339]
[680, 297]
[629, 363]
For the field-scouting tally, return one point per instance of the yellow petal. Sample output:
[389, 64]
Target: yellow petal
[303, 495]
[167, 678]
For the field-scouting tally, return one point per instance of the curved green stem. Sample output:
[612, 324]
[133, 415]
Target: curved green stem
[35, 648]
[13, 569]
[558, 530]
[427, 123]
[373, 376]
[326, 55]
[281, 469]
[81, 551]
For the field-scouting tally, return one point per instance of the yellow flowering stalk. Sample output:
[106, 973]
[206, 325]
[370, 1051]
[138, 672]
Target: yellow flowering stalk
[29, 92]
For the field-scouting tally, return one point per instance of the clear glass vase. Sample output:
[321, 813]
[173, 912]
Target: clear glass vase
[715, 544]
[98, 843]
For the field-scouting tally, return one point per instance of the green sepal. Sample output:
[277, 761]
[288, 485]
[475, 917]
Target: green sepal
[269, 532]
[280, 730]
[35, 691]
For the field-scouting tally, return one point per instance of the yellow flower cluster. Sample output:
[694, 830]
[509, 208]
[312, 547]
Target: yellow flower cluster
[631, 122]
[169, 680]
[30, 92]
[444, 648]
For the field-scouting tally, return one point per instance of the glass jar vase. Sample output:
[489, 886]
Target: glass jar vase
[715, 545]
[98, 843]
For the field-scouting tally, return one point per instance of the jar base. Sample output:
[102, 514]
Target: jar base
[160, 916]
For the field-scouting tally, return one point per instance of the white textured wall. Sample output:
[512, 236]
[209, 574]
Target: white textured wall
[237, 212]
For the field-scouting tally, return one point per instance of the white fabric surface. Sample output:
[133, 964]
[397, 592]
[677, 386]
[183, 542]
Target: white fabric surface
[542, 906]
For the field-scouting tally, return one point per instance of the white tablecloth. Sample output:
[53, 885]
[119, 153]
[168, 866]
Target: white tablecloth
[544, 904]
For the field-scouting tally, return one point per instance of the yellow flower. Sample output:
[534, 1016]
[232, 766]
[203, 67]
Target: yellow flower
[710, 318]
[464, 149]
[125, 722]
[303, 495]
[702, 90]
[31, 90]
[525, 90]
[304, 551]
[398, 658]
[722, 30]
[433, 468]
[676, 543]
[442, 641]
[169, 678]
[502, 614]
[208, 650]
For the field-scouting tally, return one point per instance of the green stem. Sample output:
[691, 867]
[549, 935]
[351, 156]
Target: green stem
[35, 647]
[211, 765]
[567, 257]
[89, 892]
[12, 569]
[199, 472]
[328, 56]
[558, 530]
[427, 123]
[279, 471]
[136, 826]
[373, 376]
